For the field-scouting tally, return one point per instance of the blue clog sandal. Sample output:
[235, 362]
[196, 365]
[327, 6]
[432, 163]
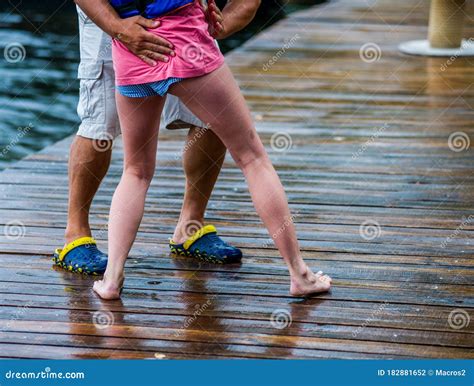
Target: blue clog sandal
[207, 246]
[81, 256]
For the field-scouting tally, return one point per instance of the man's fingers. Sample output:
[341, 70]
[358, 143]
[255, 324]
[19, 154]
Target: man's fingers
[158, 49]
[202, 5]
[147, 60]
[217, 17]
[152, 58]
[147, 23]
[148, 37]
[219, 27]
[157, 57]
[217, 31]
[214, 8]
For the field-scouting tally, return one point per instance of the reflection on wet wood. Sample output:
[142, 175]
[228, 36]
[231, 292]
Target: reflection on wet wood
[366, 140]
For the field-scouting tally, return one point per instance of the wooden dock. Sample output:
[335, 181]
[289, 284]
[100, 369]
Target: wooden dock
[374, 150]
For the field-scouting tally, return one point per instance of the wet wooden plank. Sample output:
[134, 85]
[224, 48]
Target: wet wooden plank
[253, 342]
[369, 140]
[335, 319]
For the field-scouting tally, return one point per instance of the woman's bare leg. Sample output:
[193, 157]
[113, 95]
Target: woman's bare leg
[140, 120]
[216, 99]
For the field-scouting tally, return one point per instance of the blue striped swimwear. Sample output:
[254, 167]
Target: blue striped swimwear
[148, 89]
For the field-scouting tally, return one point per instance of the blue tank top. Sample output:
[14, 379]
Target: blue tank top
[146, 8]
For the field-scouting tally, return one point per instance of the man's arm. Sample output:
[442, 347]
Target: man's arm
[130, 31]
[235, 16]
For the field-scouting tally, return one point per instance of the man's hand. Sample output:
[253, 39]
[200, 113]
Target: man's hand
[132, 32]
[215, 18]
[147, 46]
[237, 14]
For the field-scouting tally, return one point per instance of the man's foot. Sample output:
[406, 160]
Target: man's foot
[82, 256]
[108, 289]
[309, 283]
[207, 246]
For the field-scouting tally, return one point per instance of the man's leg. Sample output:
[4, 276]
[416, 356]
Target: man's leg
[90, 152]
[87, 167]
[203, 157]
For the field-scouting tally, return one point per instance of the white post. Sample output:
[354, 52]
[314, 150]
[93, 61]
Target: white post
[446, 23]
[445, 32]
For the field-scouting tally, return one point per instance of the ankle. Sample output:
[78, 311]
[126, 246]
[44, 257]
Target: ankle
[300, 271]
[72, 234]
[114, 279]
[186, 227]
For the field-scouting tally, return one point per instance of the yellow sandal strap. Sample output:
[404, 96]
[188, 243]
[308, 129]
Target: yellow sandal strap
[76, 243]
[198, 234]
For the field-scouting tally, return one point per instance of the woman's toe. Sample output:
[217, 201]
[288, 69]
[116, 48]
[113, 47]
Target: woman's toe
[96, 285]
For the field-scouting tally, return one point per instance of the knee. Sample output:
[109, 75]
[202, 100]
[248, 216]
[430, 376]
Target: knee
[142, 173]
[250, 157]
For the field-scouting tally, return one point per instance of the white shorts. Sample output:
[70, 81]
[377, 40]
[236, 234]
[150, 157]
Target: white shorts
[97, 109]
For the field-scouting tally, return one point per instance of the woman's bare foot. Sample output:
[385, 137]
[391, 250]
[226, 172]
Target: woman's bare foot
[108, 289]
[309, 283]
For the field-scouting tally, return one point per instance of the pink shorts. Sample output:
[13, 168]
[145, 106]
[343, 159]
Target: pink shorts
[196, 52]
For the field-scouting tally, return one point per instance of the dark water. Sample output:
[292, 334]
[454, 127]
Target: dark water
[39, 54]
